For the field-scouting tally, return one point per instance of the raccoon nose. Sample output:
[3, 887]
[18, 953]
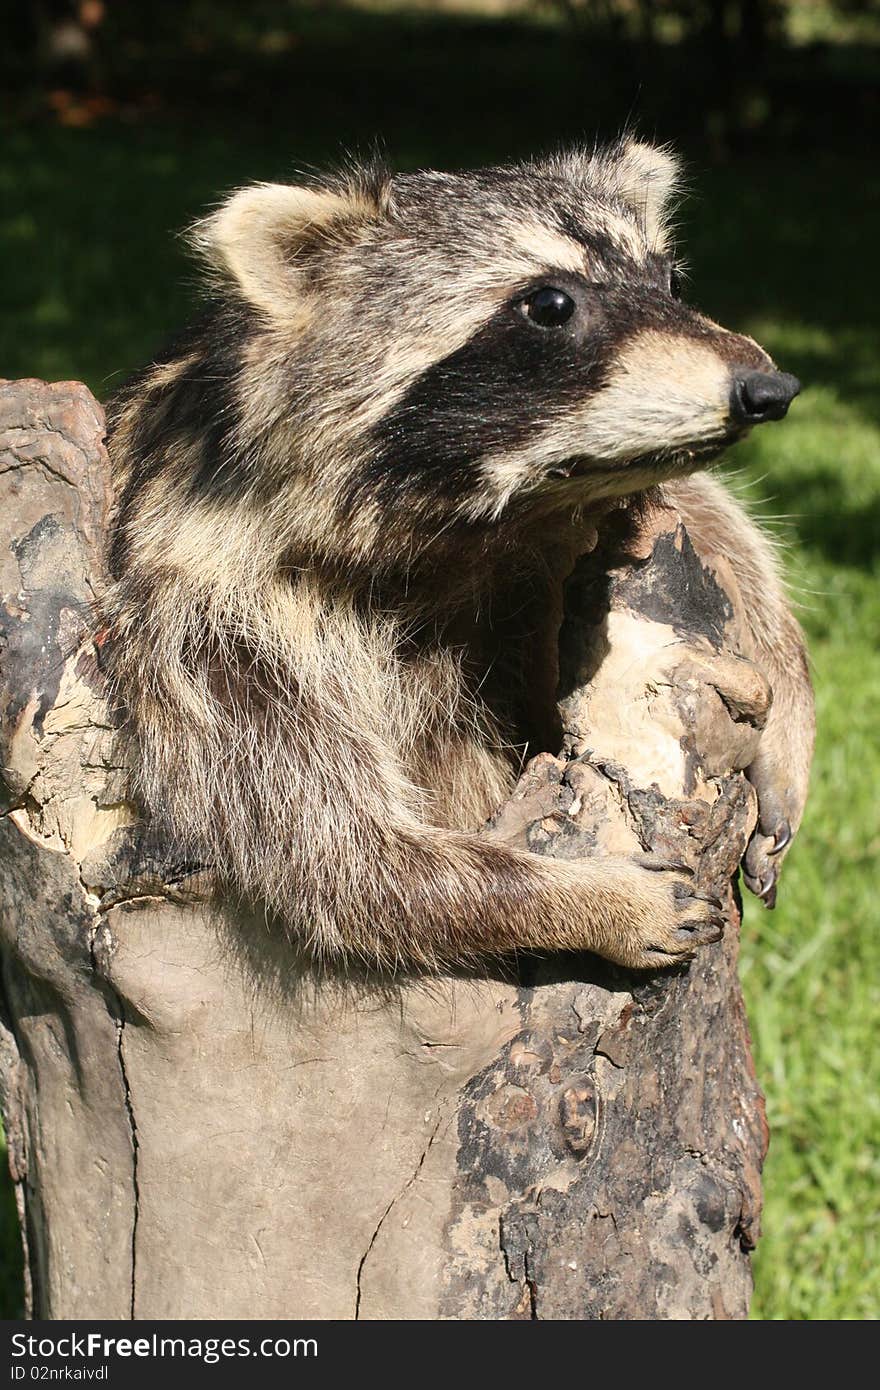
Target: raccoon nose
[758, 396]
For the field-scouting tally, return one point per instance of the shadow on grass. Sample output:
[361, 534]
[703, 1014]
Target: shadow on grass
[822, 515]
[11, 1268]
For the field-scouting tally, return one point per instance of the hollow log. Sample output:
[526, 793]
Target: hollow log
[201, 1126]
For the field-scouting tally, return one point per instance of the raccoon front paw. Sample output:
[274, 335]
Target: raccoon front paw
[760, 867]
[779, 775]
[778, 816]
[666, 918]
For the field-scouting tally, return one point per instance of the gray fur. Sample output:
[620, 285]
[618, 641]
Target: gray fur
[339, 499]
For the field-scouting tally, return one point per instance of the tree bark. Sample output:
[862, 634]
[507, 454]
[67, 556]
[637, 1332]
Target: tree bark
[199, 1126]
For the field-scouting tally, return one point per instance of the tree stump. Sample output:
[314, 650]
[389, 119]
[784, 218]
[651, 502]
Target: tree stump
[200, 1126]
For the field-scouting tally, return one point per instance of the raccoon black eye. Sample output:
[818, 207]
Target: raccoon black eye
[549, 307]
[674, 283]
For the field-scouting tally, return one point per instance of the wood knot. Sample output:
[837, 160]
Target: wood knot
[529, 1053]
[578, 1116]
[512, 1108]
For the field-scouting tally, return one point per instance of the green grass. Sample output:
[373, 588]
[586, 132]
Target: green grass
[811, 969]
[779, 247]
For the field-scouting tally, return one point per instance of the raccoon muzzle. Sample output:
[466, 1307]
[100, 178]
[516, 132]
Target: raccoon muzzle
[759, 396]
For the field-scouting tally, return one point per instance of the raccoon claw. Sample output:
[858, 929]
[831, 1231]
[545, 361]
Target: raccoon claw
[702, 933]
[688, 936]
[708, 898]
[768, 893]
[686, 892]
[763, 885]
[656, 865]
[781, 838]
[762, 864]
[781, 788]
[761, 876]
[702, 930]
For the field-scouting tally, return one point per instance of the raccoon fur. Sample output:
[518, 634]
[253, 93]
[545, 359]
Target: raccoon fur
[341, 501]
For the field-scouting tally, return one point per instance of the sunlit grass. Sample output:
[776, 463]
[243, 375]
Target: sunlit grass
[811, 969]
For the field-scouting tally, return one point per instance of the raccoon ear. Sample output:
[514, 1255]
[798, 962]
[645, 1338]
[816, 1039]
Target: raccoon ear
[263, 237]
[647, 178]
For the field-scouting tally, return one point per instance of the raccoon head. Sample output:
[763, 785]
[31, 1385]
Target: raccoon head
[435, 351]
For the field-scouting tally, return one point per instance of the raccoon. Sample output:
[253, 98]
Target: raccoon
[347, 501]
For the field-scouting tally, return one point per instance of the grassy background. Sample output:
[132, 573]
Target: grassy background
[781, 233]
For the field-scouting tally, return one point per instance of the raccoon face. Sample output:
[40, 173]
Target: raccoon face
[436, 350]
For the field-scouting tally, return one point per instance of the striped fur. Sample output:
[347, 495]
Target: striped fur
[347, 501]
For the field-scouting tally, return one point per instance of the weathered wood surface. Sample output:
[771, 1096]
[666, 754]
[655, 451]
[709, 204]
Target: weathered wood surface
[199, 1127]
